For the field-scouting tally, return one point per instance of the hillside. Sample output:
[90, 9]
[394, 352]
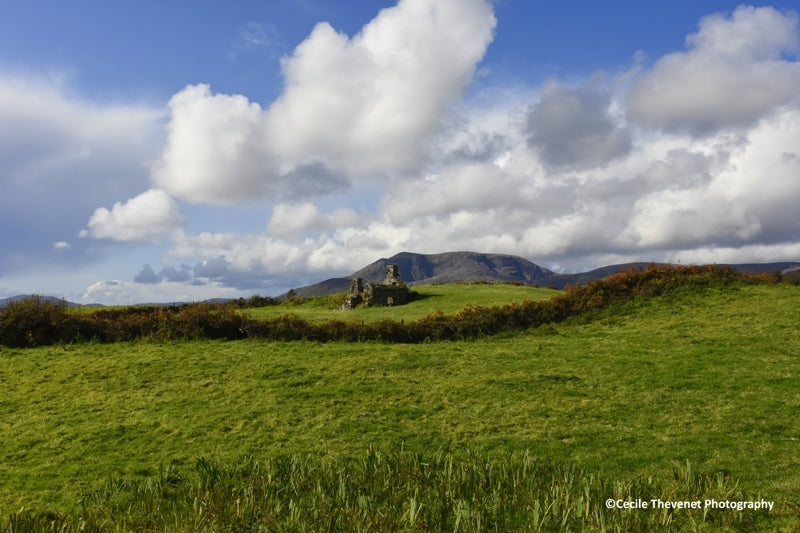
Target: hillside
[6, 301]
[449, 267]
[448, 299]
[459, 267]
[455, 267]
[686, 395]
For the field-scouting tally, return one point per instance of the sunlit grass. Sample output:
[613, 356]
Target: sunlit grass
[709, 377]
[431, 298]
[400, 491]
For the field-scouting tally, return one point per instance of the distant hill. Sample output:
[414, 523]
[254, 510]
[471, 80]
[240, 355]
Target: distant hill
[5, 301]
[453, 267]
[562, 280]
[449, 267]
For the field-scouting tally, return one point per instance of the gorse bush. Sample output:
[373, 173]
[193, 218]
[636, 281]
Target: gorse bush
[394, 492]
[189, 321]
[253, 301]
[37, 321]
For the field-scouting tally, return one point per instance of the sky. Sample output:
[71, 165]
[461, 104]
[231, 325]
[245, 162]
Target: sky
[177, 151]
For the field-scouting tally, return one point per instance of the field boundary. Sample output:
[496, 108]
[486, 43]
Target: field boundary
[37, 321]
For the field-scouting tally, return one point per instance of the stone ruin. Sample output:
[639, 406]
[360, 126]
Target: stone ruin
[393, 291]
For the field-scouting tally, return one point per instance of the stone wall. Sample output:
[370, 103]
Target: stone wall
[385, 296]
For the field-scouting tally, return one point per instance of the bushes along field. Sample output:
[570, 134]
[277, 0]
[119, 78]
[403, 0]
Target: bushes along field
[36, 321]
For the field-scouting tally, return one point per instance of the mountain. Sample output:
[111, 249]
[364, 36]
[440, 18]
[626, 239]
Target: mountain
[449, 267]
[456, 266]
[452, 267]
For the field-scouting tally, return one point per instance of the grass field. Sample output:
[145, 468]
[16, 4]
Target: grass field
[430, 298]
[706, 377]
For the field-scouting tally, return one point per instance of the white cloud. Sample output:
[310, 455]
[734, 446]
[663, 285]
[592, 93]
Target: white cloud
[146, 217]
[573, 128]
[570, 176]
[260, 254]
[293, 220]
[370, 104]
[671, 197]
[756, 253]
[475, 186]
[733, 74]
[351, 108]
[116, 292]
[214, 151]
[750, 33]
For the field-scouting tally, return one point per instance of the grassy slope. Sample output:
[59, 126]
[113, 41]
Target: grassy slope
[446, 298]
[708, 378]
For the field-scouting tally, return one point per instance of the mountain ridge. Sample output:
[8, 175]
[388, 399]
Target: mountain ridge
[454, 267]
[445, 267]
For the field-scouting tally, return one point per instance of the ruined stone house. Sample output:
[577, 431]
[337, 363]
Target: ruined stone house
[392, 291]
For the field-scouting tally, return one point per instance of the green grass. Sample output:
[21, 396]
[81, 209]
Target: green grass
[707, 377]
[431, 298]
[401, 491]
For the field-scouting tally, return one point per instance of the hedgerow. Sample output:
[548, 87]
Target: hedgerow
[34, 321]
[38, 321]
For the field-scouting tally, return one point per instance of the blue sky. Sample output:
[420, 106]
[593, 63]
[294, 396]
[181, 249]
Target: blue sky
[179, 150]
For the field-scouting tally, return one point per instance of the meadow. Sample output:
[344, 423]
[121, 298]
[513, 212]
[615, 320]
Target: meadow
[689, 394]
[428, 299]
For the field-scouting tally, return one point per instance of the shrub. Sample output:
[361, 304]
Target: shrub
[35, 321]
[130, 323]
[206, 321]
[253, 301]
[41, 321]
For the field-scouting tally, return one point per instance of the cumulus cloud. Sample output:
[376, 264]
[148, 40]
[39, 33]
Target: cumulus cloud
[146, 217]
[369, 104]
[733, 74]
[573, 128]
[572, 176]
[458, 187]
[147, 275]
[292, 220]
[351, 108]
[666, 197]
[214, 149]
[115, 292]
[169, 273]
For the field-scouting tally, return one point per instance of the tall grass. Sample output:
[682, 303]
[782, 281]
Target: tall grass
[401, 491]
